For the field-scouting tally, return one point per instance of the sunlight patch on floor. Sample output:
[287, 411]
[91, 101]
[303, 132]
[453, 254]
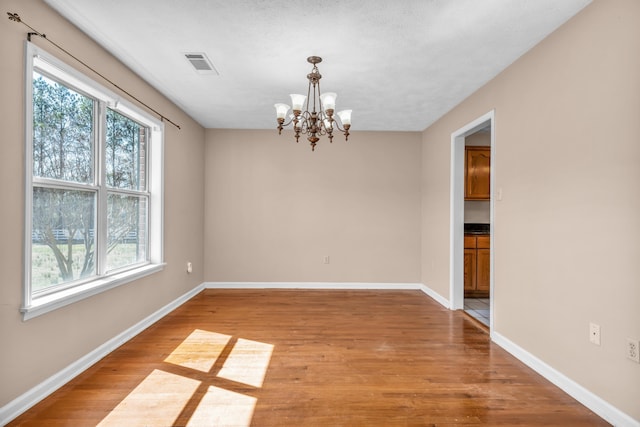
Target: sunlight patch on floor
[220, 407]
[199, 350]
[161, 398]
[158, 400]
[247, 363]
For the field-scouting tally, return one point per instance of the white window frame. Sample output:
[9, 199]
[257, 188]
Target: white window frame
[32, 306]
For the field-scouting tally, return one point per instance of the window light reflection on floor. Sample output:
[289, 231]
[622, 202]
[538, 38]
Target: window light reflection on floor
[163, 396]
[199, 350]
[247, 363]
[158, 400]
[220, 407]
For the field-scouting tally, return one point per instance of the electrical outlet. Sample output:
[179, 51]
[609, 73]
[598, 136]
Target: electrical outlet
[189, 267]
[594, 333]
[633, 350]
[325, 260]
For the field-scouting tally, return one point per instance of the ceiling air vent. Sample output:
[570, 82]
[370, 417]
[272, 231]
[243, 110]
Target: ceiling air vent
[201, 63]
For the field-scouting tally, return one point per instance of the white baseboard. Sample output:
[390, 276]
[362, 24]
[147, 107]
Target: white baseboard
[435, 296]
[310, 285]
[601, 407]
[330, 285]
[22, 403]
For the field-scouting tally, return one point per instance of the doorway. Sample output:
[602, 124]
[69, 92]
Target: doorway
[485, 123]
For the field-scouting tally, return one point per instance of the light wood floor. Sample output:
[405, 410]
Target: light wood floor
[310, 358]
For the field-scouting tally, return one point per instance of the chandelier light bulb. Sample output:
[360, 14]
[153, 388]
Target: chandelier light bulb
[328, 100]
[297, 101]
[345, 117]
[281, 110]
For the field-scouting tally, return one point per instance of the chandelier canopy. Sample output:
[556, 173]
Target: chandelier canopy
[318, 121]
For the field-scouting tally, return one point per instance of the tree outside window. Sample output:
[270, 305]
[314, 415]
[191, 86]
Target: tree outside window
[70, 198]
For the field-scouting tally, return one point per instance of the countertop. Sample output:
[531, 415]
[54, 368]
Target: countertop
[477, 229]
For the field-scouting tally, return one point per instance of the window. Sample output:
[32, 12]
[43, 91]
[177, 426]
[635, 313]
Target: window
[93, 187]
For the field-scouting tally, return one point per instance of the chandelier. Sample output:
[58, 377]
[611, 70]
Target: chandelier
[320, 120]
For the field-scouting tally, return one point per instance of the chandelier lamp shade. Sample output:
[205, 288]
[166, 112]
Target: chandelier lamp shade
[313, 114]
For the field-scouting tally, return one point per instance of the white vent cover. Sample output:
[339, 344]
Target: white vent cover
[201, 63]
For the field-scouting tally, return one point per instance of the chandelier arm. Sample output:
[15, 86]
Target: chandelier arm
[304, 118]
[304, 123]
[337, 124]
[344, 129]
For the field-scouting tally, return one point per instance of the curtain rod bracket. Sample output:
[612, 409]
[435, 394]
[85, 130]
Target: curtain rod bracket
[29, 34]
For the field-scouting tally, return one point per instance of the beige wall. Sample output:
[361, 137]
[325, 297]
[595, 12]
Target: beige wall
[567, 158]
[34, 350]
[274, 209]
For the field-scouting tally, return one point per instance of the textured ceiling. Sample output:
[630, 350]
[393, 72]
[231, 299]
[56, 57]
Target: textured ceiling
[400, 65]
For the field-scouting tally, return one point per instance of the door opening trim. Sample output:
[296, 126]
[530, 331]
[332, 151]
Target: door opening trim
[456, 234]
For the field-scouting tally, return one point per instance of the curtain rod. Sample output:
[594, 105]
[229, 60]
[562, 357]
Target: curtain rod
[16, 18]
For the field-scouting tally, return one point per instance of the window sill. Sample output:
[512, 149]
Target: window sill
[47, 303]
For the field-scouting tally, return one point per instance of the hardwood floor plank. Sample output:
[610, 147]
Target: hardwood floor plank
[310, 358]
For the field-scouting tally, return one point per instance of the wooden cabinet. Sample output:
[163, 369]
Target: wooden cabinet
[477, 172]
[482, 271]
[470, 269]
[476, 266]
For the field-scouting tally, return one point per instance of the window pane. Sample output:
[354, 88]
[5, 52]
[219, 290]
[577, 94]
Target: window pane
[125, 152]
[63, 242]
[62, 132]
[127, 230]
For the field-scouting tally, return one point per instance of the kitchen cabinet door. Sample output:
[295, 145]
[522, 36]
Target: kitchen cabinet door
[482, 270]
[477, 173]
[469, 269]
